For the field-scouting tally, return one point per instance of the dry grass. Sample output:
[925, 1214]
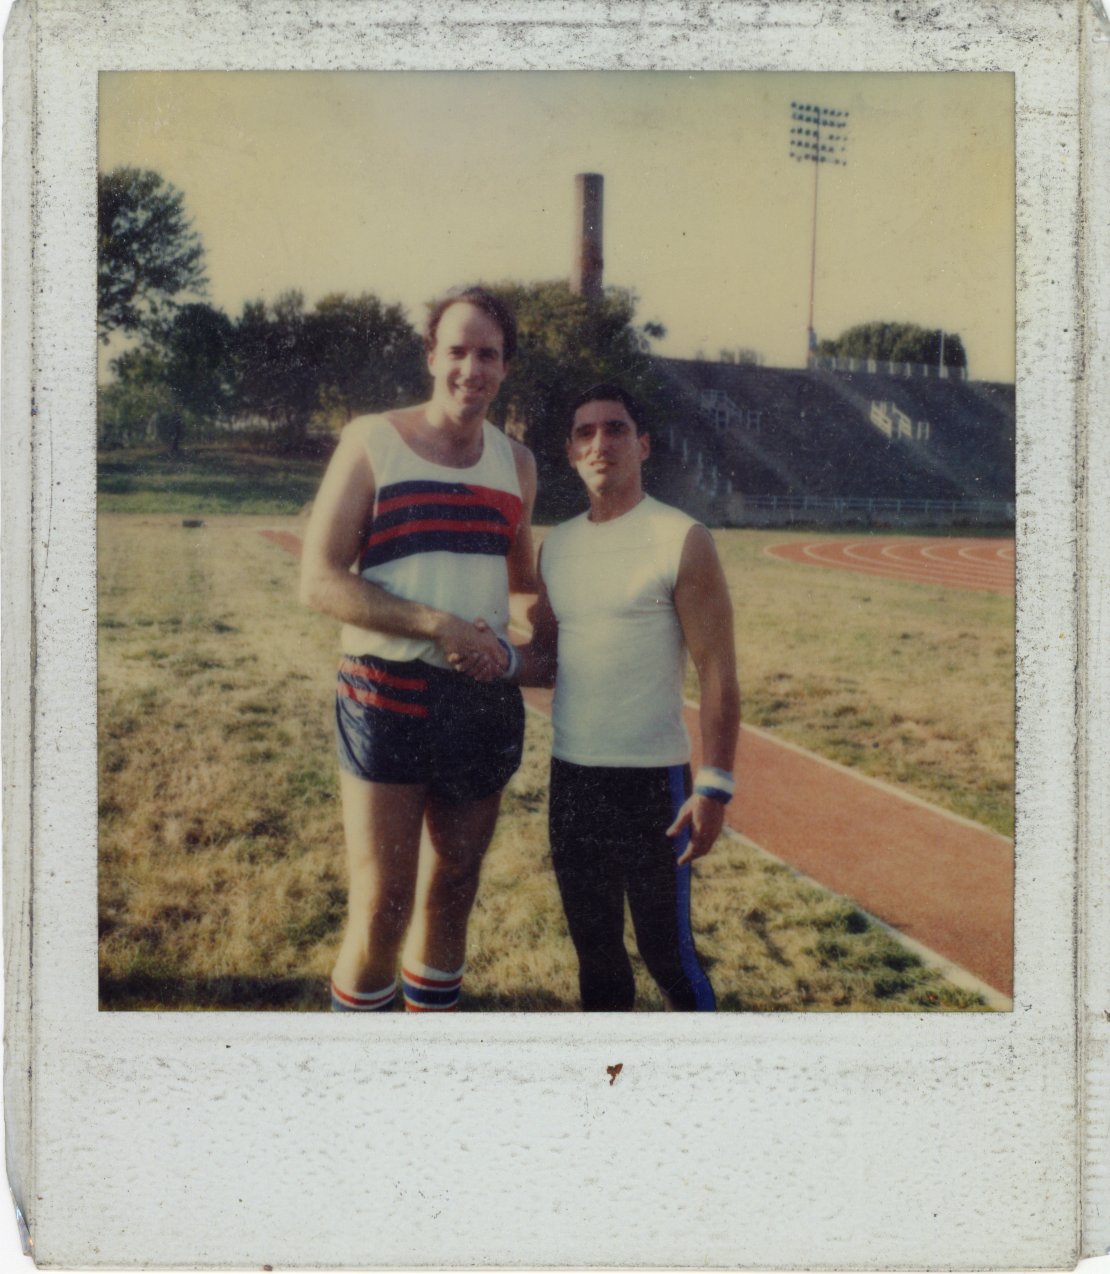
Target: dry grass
[221, 862]
[768, 939]
[909, 683]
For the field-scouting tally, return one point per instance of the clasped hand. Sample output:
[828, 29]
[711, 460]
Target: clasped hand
[473, 649]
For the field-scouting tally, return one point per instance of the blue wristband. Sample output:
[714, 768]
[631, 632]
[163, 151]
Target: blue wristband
[514, 660]
[718, 785]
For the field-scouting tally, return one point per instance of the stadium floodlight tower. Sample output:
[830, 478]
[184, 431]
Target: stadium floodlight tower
[818, 135]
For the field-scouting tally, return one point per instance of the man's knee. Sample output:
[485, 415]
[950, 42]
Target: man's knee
[454, 880]
[388, 913]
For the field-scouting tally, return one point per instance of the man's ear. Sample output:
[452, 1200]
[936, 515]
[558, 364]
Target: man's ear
[645, 446]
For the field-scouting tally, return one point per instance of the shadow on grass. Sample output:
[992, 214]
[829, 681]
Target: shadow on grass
[150, 992]
[134, 992]
[520, 1000]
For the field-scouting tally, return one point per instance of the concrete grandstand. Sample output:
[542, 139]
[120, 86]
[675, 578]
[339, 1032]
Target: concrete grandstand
[767, 446]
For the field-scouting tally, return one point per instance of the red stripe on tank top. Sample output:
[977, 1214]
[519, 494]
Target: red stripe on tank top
[435, 524]
[510, 506]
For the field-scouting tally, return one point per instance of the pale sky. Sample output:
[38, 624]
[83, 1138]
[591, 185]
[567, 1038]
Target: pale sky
[406, 183]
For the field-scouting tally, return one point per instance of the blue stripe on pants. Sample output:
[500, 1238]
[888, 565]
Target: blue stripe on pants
[704, 999]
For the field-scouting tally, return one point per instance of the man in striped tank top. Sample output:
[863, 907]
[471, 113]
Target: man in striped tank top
[420, 527]
[626, 589]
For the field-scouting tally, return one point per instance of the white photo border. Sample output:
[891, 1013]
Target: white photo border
[773, 1141]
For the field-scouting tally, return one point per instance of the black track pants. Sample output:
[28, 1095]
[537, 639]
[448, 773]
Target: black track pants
[608, 841]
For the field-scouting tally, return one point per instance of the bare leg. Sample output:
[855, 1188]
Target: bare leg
[457, 838]
[382, 826]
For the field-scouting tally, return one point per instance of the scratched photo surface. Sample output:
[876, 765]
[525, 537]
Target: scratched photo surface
[809, 283]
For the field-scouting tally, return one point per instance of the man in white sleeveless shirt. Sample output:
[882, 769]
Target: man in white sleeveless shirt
[420, 527]
[627, 589]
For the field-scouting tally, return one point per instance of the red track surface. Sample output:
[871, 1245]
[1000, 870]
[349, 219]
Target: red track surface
[938, 879]
[941, 880]
[286, 539]
[982, 565]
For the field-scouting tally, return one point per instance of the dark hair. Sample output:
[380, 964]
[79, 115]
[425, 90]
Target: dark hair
[498, 309]
[606, 392]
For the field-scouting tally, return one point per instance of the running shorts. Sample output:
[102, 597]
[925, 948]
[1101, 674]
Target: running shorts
[410, 722]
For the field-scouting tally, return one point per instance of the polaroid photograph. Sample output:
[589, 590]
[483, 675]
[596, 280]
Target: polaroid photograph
[878, 497]
[542, 635]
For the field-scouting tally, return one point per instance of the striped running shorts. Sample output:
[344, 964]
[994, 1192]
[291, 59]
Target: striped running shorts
[410, 722]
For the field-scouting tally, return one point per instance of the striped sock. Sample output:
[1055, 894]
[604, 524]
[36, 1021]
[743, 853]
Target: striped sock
[429, 990]
[363, 1001]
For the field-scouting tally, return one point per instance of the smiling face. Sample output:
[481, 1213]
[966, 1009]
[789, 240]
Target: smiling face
[467, 362]
[606, 451]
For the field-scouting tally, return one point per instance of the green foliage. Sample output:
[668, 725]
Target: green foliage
[743, 356]
[148, 253]
[197, 351]
[565, 346]
[207, 480]
[131, 412]
[349, 355]
[367, 357]
[899, 342]
[175, 387]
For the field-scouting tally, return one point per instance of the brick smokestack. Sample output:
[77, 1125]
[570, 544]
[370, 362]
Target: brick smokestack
[585, 277]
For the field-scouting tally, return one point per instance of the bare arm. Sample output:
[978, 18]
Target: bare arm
[522, 556]
[521, 567]
[705, 613]
[538, 659]
[340, 516]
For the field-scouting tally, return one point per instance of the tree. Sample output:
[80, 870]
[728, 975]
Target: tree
[367, 357]
[274, 376]
[185, 372]
[135, 411]
[742, 356]
[197, 352]
[566, 345]
[296, 367]
[897, 342]
[148, 253]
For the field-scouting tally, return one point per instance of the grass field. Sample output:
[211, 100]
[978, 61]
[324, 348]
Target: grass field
[221, 873]
[204, 480]
[906, 682]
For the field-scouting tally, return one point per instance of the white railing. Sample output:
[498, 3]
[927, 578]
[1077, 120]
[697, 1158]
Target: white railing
[889, 419]
[994, 510]
[887, 367]
[724, 412]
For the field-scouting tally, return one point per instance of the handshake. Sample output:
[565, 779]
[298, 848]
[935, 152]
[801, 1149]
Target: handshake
[476, 650]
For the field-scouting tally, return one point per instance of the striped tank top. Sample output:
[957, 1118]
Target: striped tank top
[439, 535]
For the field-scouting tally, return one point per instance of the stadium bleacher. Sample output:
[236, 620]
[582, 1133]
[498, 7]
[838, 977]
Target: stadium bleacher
[745, 433]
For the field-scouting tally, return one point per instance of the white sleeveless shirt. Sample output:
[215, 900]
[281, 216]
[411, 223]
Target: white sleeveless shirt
[622, 656]
[439, 535]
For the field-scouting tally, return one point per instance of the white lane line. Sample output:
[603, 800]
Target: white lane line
[900, 550]
[912, 573]
[972, 570]
[881, 784]
[954, 973]
[948, 969]
[906, 573]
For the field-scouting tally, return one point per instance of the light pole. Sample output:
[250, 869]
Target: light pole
[818, 135]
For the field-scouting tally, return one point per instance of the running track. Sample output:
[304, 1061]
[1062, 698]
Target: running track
[939, 879]
[980, 565]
